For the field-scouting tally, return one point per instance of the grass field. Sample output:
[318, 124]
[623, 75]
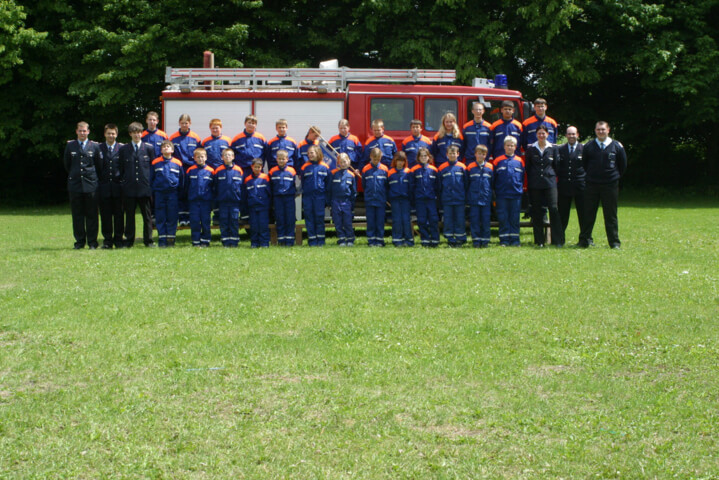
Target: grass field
[363, 363]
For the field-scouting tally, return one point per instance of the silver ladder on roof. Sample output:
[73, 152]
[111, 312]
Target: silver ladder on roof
[192, 79]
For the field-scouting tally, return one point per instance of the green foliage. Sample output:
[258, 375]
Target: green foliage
[363, 363]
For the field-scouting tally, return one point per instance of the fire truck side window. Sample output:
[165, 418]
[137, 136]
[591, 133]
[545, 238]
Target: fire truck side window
[395, 112]
[434, 109]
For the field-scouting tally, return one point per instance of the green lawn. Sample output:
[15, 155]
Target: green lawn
[363, 363]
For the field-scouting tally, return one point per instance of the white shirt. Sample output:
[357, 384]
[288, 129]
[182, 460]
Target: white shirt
[541, 150]
[606, 142]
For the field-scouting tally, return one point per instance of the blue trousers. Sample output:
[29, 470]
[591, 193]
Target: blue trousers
[313, 206]
[375, 225]
[508, 209]
[183, 210]
[428, 222]
[166, 216]
[454, 225]
[259, 226]
[342, 218]
[479, 224]
[229, 223]
[200, 223]
[285, 219]
[401, 225]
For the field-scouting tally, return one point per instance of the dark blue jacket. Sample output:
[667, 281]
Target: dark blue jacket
[315, 178]
[425, 182]
[349, 145]
[257, 191]
[500, 130]
[167, 175]
[541, 166]
[344, 186]
[481, 179]
[110, 179]
[200, 183]
[283, 181]
[411, 146]
[475, 134]
[135, 170]
[374, 182]
[248, 147]
[282, 143]
[399, 183]
[604, 166]
[228, 184]
[440, 146]
[384, 143]
[185, 145]
[453, 183]
[155, 138]
[508, 176]
[214, 147]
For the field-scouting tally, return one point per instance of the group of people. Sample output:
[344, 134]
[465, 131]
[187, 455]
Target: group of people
[460, 174]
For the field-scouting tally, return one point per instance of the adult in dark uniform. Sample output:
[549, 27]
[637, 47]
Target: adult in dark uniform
[110, 191]
[135, 160]
[541, 165]
[571, 179]
[605, 162]
[83, 161]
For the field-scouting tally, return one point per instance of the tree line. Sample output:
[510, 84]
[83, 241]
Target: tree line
[650, 69]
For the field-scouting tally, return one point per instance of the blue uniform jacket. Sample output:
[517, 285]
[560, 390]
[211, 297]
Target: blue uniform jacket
[185, 145]
[399, 183]
[425, 182]
[541, 167]
[257, 191]
[374, 182]
[411, 146]
[248, 147]
[155, 138]
[282, 143]
[344, 186]
[315, 178]
[499, 131]
[283, 181]
[228, 184]
[440, 146]
[475, 134]
[329, 157]
[214, 147]
[453, 183]
[384, 143]
[508, 176]
[200, 183]
[529, 130]
[166, 175]
[481, 180]
[349, 145]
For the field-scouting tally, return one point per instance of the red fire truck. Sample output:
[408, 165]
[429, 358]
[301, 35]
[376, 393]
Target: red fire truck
[321, 97]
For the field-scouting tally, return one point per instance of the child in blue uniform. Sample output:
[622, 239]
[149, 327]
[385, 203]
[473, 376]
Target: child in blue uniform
[283, 198]
[479, 196]
[166, 179]
[256, 200]
[508, 188]
[374, 182]
[315, 186]
[342, 194]
[425, 192]
[228, 193]
[199, 195]
[399, 178]
[453, 187]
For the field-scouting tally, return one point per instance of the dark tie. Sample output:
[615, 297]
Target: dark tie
[602, 144]
[571, 149]
[82, 146]
[136, 148]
